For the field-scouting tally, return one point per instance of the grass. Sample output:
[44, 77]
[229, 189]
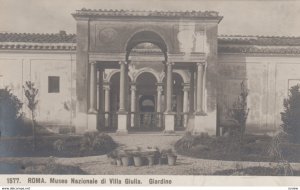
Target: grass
[46, 166]
[255, 171]
[71, 146]
[252, 148]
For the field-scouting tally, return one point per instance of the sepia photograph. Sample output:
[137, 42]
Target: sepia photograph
[157, 87]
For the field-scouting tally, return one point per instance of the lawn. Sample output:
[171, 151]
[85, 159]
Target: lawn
[252, 148]
[72, 146]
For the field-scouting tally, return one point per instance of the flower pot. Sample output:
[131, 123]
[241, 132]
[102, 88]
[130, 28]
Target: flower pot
[119, 162]
[172, 160]
[163, 160]
[126, 161]
[138, 161]
[150, 160]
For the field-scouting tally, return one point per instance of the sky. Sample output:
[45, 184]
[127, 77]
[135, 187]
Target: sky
[241, 17]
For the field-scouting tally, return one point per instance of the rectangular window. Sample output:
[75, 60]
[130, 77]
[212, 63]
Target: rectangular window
[53, 84]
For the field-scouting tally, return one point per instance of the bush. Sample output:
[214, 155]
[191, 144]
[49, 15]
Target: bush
[290, 115]
[188, 141]
[97, 142]
[239, 111]
[10, 114]
[66, 130]
[59, 145]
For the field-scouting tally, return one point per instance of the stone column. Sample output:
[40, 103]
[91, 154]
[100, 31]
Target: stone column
[106, 89]
[158, 105]
[169, 115]
[199, 121]
[122, 85]
[186, 89]
[92, 111]
[200, 69]
[122, 114]
[133, 101]
[192, 91]
[169, 90]
[93, 87]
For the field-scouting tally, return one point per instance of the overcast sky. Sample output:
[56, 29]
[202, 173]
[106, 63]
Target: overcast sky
[245, 17]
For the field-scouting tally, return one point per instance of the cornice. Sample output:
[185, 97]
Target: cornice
[93, 13]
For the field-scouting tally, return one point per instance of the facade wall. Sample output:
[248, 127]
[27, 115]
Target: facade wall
[267, 77]
[54, 109]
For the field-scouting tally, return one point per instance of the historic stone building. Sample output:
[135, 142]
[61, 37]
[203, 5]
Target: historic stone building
[150, 71]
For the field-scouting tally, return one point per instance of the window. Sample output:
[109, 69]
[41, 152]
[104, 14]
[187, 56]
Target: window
[53, 84]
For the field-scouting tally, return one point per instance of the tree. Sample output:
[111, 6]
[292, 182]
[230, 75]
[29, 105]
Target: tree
[10, 114]
[239, 111]
[291, 114]
[31, 95]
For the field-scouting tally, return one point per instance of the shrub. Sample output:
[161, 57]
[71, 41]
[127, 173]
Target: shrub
[239, 111]
[59, 145]
[31, 93]
[290, 115]
[97, 142]
[66, 130]
[10, 114]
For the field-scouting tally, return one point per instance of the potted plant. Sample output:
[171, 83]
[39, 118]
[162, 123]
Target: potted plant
[119, 161]
[171, 158]
[150, 158]
[126, 159]
[137, 158]
[163, 158]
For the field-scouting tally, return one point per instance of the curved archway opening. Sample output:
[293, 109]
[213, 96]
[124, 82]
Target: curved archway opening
[146, 116]
[177, 93]
[149, 40]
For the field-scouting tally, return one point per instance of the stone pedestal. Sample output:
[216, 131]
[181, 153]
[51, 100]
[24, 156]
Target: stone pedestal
[92, 122]
[169, 122]
[122, 123]
[205, 123]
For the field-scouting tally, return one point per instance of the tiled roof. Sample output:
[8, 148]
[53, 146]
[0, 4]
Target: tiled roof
[259, 40]
[61, 37]
[259, 44]
[134, 13]
[29, 41]
[226, 44]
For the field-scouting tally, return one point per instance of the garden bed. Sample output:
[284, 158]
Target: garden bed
[67, 146]
[256, 171]
[45, 166]
[252, 148]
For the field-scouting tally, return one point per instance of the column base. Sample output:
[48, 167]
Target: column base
[185, 120]
[106, 120]
[169, 122]
[92, 122]
[122, 123]
[92, 111]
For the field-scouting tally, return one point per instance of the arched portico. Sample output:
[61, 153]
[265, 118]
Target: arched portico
[116, 46]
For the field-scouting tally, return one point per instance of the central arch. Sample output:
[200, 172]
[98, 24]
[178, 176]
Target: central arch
[146, 36]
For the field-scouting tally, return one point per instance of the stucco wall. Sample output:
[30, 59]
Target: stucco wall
[268, 78]
[54, 109]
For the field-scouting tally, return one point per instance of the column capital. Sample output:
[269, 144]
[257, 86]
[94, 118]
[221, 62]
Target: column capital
[123, 62]
[186, 88]
[93, 63]
[202, 63]
[106, 87]
[133, 88]
[159, 88]
[169, 63]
